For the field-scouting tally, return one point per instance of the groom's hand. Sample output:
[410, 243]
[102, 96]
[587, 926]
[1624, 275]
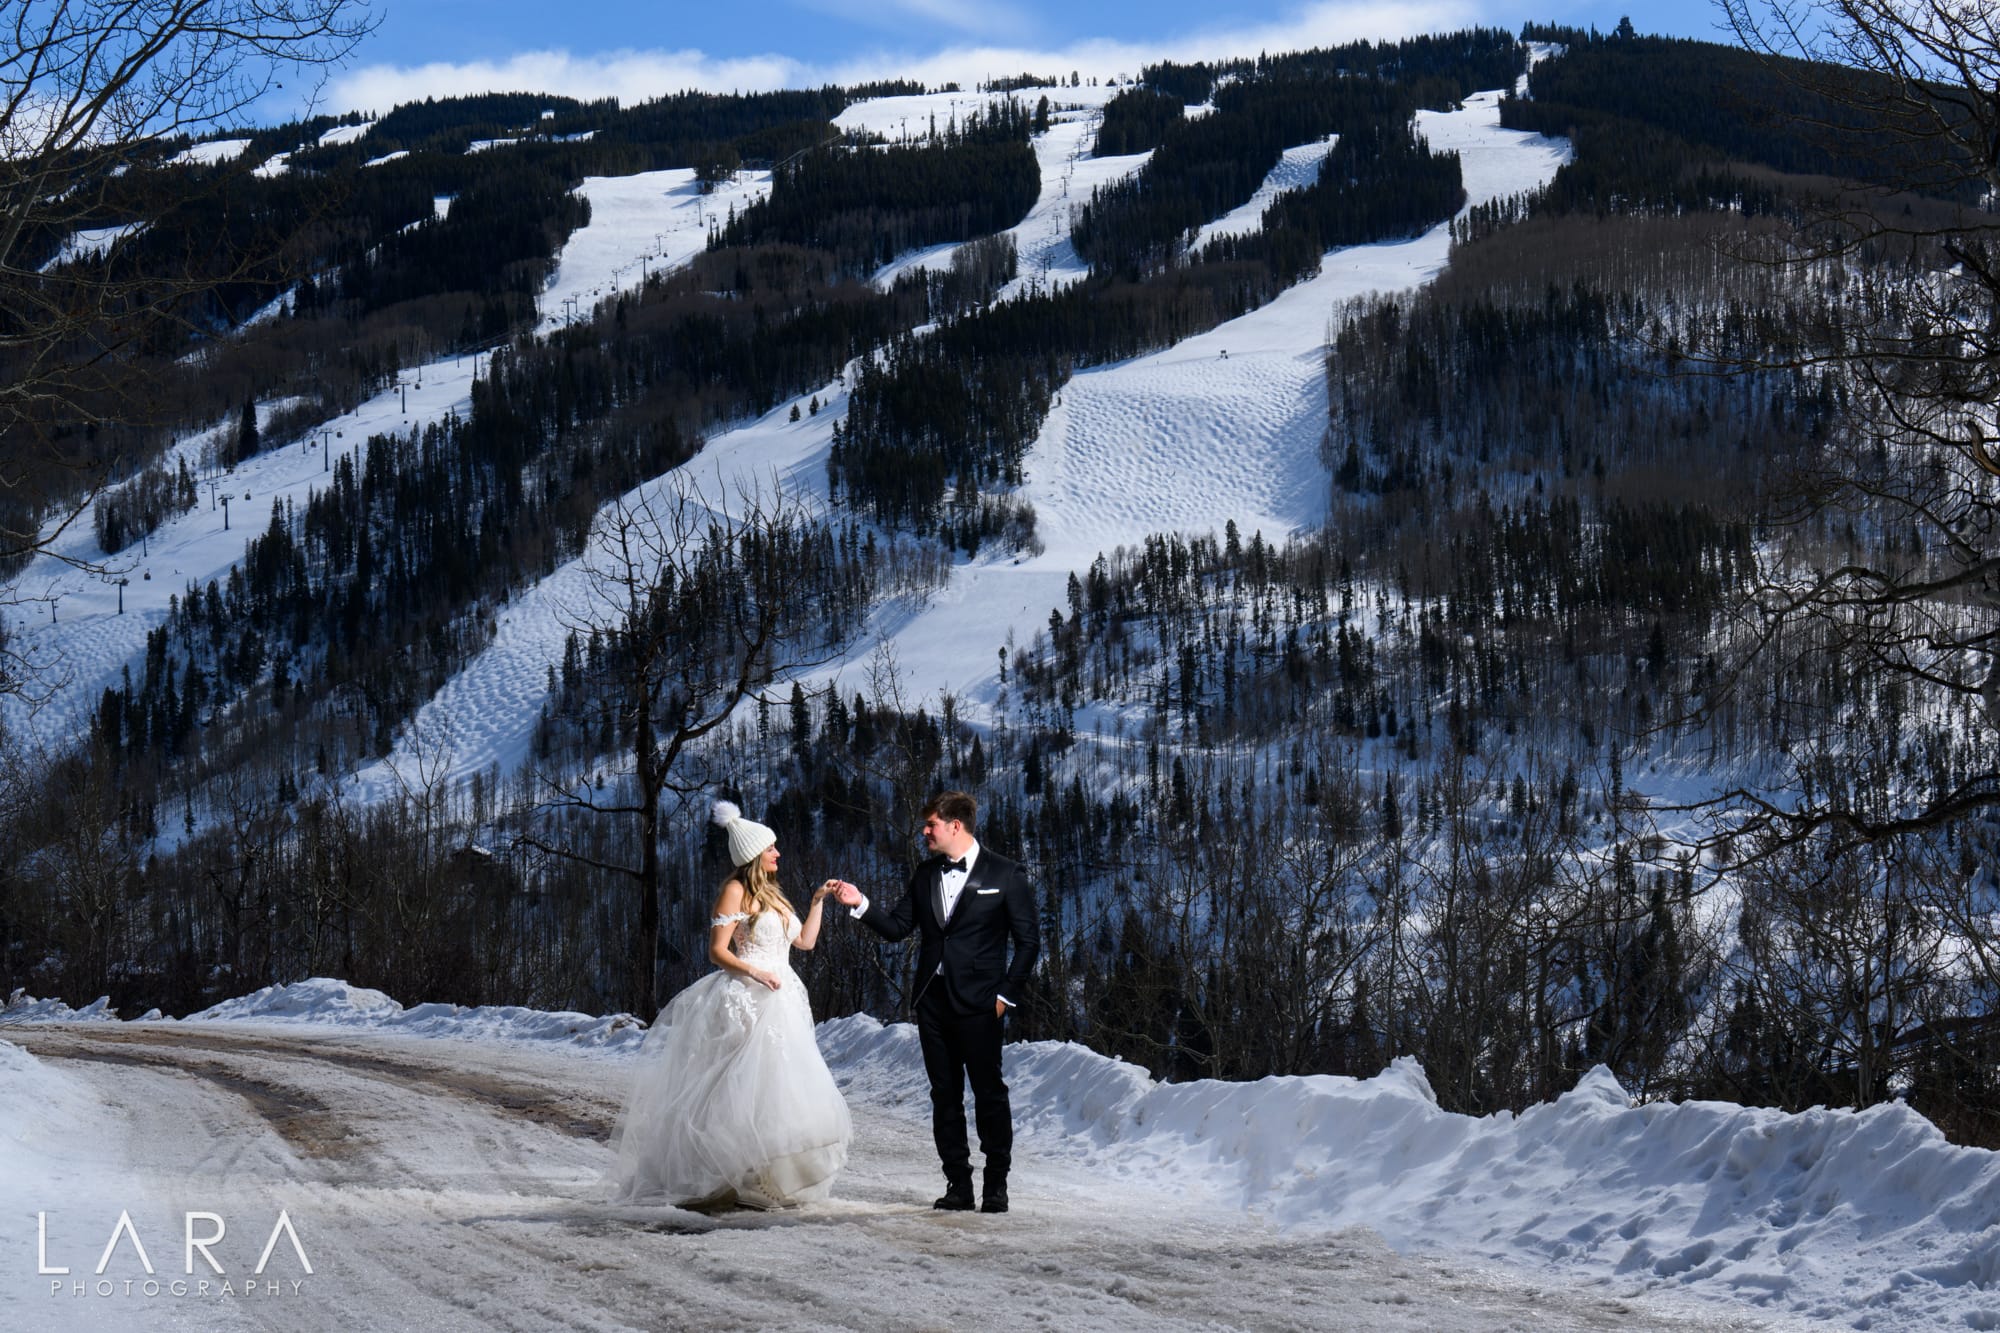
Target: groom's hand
[849, 895]
[999, 1008]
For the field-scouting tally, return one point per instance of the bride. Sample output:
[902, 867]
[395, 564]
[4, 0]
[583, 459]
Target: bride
[731, 1100]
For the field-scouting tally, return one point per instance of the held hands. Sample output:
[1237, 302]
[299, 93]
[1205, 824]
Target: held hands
[848, 895]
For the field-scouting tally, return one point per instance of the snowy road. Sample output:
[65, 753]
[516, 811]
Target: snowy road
[441, 1184]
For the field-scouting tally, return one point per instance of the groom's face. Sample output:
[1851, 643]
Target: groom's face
[943, 835]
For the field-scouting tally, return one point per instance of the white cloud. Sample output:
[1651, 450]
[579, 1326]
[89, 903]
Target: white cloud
[980, 18]
[630, 76]
[635, 76]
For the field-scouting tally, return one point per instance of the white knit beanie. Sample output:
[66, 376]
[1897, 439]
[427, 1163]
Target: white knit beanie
[747, 838]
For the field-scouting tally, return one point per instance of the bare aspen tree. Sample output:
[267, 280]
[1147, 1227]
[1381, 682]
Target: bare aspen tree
[88, 88]
[701, 606]
[1885, 550]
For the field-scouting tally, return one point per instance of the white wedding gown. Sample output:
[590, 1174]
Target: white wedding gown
[730, 1095]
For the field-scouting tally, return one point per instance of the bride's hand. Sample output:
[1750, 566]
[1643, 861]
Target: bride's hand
[824, 889]
[765, 979]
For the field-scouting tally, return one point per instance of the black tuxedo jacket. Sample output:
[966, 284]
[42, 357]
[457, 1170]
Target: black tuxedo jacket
[996, 905]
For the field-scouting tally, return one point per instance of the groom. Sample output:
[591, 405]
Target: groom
[966, 902]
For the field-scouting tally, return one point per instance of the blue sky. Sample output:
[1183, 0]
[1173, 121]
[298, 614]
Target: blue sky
[635, 50]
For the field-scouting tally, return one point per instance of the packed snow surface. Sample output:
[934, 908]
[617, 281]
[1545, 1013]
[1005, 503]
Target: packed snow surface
[1860, 1219]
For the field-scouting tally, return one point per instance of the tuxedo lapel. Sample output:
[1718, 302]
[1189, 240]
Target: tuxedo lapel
[980, 878]
[973, 883]
[937, 895]
[973, 879]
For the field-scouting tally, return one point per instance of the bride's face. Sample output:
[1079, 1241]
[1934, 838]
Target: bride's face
[770, 860]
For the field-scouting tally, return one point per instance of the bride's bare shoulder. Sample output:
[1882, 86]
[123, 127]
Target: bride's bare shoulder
[730, 899]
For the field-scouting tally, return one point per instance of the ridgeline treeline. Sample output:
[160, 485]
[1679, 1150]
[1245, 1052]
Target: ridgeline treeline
[868, 204]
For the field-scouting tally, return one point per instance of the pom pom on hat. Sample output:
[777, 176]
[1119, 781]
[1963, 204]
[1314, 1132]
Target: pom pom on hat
[748, 839]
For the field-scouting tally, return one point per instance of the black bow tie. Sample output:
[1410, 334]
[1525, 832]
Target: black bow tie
[950, 866]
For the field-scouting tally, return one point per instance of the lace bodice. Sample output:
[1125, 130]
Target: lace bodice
[766, 943]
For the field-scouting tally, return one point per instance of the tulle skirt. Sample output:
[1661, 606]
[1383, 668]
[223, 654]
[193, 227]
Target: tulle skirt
[730, 1098]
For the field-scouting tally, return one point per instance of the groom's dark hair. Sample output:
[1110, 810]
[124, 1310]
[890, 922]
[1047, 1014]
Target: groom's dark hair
[954, 805]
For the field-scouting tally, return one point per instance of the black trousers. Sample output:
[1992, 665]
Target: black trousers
[959, 1048]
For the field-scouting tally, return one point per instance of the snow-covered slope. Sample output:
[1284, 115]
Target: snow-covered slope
[1183, 439]
[341, 134]
[1227, 424]
[1297, 168]
[638, 225]
[1180, 440]
[1222, 426]
[75, 632]
[209, 153]
[485, 715]
[90, 242]
[1070, 174]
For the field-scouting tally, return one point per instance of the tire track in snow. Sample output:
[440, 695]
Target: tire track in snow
[463, 1213]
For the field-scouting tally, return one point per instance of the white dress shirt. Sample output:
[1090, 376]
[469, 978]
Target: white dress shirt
[952, 882]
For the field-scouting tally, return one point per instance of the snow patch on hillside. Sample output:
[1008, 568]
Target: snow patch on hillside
[912, 117]
[208, 154]
[90, 242]
[1297, 168]
[1071, 174]
[638, 225]
[340, 134]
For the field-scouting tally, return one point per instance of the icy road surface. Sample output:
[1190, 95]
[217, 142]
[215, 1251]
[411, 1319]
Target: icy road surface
[439, 1184]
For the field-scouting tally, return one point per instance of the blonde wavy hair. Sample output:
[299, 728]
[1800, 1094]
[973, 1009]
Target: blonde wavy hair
[760, 889]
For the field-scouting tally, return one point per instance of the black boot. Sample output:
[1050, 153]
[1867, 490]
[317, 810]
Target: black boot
[957, 1196]
[993, 1193]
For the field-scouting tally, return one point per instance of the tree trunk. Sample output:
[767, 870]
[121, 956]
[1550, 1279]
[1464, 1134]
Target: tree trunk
[646, 956]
